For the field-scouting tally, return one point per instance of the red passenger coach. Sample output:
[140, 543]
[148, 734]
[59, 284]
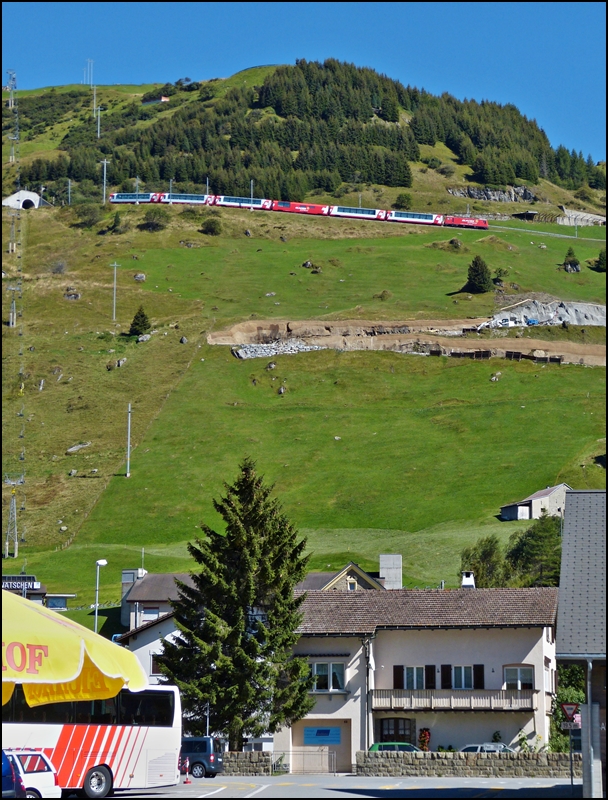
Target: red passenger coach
[466, 222]
[299, 208]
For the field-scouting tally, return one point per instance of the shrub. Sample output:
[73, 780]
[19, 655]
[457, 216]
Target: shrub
[212, 226]
[89, 214]
[447, 169]
[58, 268]
[403, 202]
[156, 218]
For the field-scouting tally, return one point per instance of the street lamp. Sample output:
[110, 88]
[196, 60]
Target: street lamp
[101, 563]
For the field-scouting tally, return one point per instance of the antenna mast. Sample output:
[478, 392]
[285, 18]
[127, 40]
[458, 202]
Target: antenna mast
[11, 530]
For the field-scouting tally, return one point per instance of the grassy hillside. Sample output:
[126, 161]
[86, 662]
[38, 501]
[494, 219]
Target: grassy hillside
[421, 444]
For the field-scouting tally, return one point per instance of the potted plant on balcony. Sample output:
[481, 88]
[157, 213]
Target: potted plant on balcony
[424, 739]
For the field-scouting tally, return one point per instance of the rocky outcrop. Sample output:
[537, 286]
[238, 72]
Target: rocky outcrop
[513, 194]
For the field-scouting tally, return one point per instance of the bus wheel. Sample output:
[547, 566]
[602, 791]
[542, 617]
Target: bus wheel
[198, 771]
[98, 782]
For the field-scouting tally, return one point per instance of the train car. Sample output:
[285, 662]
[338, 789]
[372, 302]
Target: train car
[299, 208]
[415, 218]
[131, 197]
[242, 202]
[357, 213]
[189, 199]
[466, 222]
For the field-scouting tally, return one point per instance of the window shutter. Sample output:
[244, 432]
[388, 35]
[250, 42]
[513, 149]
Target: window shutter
[397, 676]
[446, 676]
[429, 676]
[478, 677]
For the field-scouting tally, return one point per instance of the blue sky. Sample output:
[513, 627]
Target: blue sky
[549, 59]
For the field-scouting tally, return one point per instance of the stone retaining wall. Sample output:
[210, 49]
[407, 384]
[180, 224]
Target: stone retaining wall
[469, 765]
[252, 763]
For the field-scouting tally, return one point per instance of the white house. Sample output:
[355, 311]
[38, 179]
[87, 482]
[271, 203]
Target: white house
[463, 663]
[551, 501]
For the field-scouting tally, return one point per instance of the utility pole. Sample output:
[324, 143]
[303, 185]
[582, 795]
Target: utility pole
[105, 163]
[251, 209]
[98, 121]
[170, 188]
[128, 475]
[114, 265]
[207, 186]
[136, 185]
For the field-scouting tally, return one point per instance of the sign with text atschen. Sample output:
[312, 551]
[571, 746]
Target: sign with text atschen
[570, 709]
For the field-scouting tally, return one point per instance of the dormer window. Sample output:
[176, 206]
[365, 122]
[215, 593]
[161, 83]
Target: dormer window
[352, 586]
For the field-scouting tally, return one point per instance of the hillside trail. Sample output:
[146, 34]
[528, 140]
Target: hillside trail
[401, 336]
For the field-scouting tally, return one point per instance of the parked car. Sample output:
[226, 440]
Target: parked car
[12, 785]
[487, 747]
[399, 747]
[37, 773]
[204, 754]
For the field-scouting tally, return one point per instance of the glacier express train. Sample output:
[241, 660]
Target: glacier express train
[409, 217]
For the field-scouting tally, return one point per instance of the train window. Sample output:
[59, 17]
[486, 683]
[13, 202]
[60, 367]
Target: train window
[283, 204]
[342, 210]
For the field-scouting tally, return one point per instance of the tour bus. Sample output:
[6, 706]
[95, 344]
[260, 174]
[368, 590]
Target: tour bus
[131, 741]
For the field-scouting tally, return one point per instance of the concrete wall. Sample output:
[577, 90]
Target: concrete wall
[469, 765]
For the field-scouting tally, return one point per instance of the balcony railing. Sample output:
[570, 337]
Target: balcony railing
[454, 700]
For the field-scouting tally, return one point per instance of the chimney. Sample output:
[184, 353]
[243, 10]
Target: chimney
[468, 580]
[129, 578]
[391, 571]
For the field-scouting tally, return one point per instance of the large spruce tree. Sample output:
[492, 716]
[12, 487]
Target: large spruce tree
[237, 623]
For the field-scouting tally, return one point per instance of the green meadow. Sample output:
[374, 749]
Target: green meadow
[369, 452]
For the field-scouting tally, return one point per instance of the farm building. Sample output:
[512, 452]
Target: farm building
[550, 500]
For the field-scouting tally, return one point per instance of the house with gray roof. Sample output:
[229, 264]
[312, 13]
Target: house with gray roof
[550, 500]
[581, 620]
[463, 663]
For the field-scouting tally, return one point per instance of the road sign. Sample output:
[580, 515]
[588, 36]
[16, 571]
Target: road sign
[571, 726]
[570, 709]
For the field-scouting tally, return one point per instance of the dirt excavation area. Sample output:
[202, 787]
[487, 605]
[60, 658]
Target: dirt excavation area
[267, 338]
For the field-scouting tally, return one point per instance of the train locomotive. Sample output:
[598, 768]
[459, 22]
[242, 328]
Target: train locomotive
[290, 207]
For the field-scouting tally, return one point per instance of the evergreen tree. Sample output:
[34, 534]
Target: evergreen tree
[571, 258]
[600, 264]
[535, 555]
[237, 623]
[479, 278]
[140, 324]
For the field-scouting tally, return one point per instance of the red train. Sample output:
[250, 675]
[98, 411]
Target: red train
[348, 212]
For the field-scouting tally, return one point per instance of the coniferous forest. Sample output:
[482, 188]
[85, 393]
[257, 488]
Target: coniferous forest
[309, 127]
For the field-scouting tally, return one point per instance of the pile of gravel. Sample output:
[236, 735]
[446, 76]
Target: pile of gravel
[553, 314]
[290, 347]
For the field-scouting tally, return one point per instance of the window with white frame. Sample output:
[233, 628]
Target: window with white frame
[414, 677]
[463, 678]
[519, 678]
[352, 586]
[329, 676]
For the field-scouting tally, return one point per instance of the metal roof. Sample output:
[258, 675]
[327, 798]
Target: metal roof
[581, 619]
[537, 495]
